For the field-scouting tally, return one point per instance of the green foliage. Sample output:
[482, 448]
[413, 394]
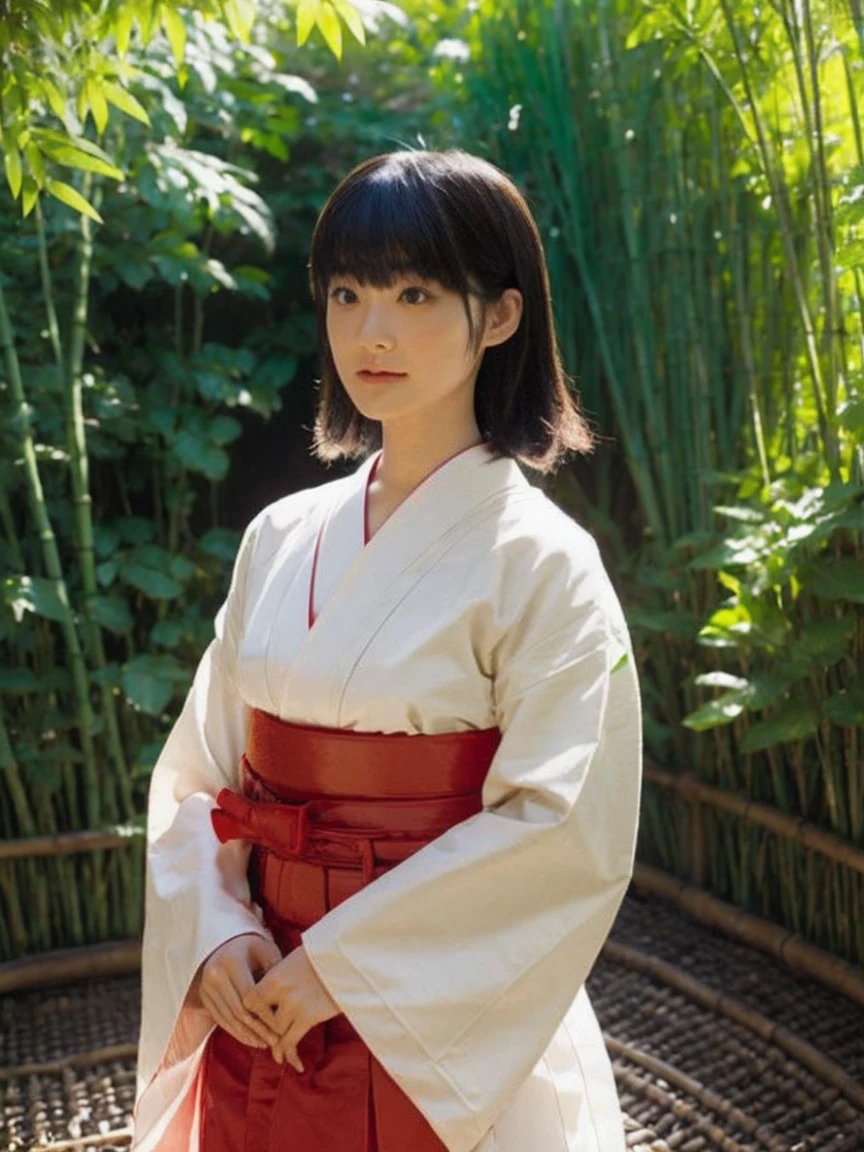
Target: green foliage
[76, 64]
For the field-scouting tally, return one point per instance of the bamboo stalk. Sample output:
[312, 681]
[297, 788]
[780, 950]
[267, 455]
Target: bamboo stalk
[697, 1091]
[793, 828]
[67, 844]
[118, 1136]
[65, 966]
[784, 945]
[75, 1060]
[51, 560]
[733, 1009]
[81, 497]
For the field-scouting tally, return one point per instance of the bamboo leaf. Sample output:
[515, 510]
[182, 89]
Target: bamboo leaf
[126, 102]
[72, 157]
[35, 594]
[331, 28]
[153, 583]
[29, 195]
[36, 164]
[55, 99]
[837, 579]
[46, 136]
[846, 709]
[240, 16]
[723, 710]
[19, 680]
[307, 17]
[150, 681]
[220, 543]
[721, 680]
[14, 169]
[98, 104]
[352, 19]
[66, 194]
[123, 23]
[794, 721]
[112, 612]
[175, 30]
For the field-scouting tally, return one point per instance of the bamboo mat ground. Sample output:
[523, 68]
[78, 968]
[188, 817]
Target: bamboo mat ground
[716, 1048]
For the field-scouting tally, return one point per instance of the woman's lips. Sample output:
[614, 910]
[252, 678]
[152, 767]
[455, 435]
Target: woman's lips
[368, 374]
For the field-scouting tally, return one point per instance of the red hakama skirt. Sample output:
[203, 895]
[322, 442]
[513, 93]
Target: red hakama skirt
[327, 811]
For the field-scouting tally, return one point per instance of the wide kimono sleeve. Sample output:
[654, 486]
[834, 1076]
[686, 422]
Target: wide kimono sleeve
[197, 893]
[458, 966]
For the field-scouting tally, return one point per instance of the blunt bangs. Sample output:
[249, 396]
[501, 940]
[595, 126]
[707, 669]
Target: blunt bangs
[386, 226]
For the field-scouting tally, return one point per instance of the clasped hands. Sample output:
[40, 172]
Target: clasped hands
[261, 997]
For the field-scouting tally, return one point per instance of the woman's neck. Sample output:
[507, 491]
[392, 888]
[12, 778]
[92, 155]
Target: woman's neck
[407, 459]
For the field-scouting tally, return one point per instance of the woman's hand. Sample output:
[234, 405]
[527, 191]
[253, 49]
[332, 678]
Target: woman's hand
[226, 976]
[290, 999]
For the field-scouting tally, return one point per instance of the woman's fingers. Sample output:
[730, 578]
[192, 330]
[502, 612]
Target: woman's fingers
[226, 1019]
[286, 1049]
[234, 1004]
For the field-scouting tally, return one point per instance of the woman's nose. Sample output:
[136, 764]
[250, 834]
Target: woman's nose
[375, 332]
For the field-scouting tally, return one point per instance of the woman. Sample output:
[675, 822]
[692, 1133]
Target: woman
[392, 827]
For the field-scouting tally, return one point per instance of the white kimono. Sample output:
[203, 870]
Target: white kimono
[477, 603]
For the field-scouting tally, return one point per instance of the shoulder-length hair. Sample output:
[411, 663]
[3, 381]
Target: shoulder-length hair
[456, 219]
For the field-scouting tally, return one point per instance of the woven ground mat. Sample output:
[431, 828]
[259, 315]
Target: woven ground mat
[691, 1078]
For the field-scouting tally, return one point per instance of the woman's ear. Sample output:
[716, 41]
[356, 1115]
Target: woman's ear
[503, 318]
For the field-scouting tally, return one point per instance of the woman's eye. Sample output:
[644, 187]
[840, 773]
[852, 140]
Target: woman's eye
[415, 295]
[343, 296]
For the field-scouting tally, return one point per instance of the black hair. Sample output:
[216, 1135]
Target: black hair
[456, 219]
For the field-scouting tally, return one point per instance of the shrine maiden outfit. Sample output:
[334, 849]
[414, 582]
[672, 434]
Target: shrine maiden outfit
[479, 623]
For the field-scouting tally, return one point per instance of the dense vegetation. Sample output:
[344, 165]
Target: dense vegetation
[697, 173]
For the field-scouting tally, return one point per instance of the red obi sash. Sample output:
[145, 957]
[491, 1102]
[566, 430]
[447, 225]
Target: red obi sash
[327, 811]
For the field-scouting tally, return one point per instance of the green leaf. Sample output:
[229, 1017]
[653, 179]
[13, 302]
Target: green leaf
[36, 164]
[837, 579]
[846, 709]
[199, 455]
[70, 196]
[352, 19]
[19, 680]
[98, 104]
[112, 612]
[46, 136]
[794, 721]
[73, 157]
[54, 97]
[723, 710]
[721, 680]
[219, 543]
[14, 169]
[123, 22]
[153, 583]
[181, 568]
[175, 30]
[823, 641]
[29, 195]
[224, 430]
[330, 27]
[34, 594]
[150, 681]
[681, 623]
[126, 102]
[307, 14]
[240, 16]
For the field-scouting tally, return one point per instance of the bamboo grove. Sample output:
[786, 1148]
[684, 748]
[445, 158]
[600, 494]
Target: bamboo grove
[697, 170]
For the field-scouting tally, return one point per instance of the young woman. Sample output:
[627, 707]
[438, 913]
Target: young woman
[392, 827]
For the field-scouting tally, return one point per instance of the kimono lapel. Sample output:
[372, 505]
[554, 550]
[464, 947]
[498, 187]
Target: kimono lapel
[405, 547]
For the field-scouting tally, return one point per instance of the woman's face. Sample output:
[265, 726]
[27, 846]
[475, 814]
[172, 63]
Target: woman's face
[403, 352]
